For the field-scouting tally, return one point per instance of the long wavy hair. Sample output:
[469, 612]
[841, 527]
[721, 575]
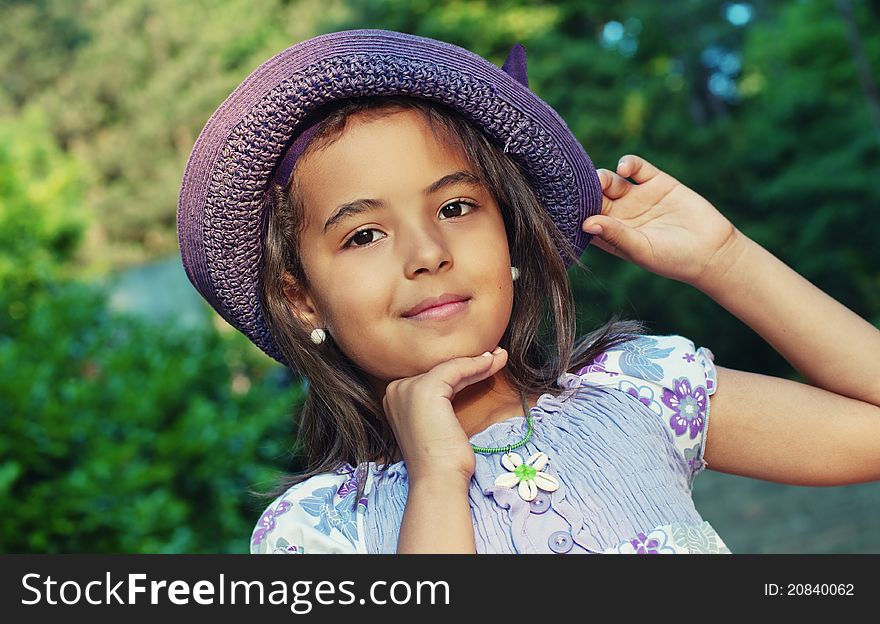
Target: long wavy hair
[341, 421]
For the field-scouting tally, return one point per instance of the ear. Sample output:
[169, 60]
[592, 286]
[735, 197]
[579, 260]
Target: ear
[300, 302]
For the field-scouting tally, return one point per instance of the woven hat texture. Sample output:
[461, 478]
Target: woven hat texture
[221, 208]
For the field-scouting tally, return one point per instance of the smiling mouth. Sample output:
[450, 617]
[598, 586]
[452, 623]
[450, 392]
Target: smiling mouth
[441, 312]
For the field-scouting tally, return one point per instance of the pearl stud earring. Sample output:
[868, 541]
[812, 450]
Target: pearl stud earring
[318, 336]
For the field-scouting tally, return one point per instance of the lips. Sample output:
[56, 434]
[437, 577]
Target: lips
[433, 302]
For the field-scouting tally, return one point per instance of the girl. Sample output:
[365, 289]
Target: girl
[389, 215]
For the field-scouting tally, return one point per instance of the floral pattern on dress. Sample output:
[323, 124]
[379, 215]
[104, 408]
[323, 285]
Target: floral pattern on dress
[349, 486]
[674, 538]
[645, 394]
[656, 544]
[695, 462]
[341, 515]
[709, 370]
[267, 522]
[637, 355]
[339, 519]
[688, 404]
[283, 547]
[674, 379]
[699, 539]
[598, 366]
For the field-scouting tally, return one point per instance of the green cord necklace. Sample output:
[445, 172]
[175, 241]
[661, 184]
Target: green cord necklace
[510, 447]
[525, 475]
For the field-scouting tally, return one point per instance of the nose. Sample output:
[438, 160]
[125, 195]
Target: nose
[427, 250]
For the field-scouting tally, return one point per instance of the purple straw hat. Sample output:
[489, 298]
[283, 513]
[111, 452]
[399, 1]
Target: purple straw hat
[249, 141]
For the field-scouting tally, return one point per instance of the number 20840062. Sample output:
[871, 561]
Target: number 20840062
[809, 589]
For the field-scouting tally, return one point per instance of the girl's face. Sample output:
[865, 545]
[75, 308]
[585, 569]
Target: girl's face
[419, 225]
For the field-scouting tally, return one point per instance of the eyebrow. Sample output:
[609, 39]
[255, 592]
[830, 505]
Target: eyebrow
[360, 206]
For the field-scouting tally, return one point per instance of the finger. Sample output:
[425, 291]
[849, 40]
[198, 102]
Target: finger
[604, 182]
[637, 168]
[612, 236]
[469, 370]
[604, 178]
[598, 242]
[613, 185]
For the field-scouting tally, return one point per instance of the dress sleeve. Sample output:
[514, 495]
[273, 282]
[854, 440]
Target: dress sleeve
[317, 516]
[673, 378]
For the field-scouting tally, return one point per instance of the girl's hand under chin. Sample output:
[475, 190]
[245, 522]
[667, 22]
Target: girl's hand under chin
[419, 409]
[660, 224]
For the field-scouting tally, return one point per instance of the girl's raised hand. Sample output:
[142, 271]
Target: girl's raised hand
[420, 412]
[658, 223]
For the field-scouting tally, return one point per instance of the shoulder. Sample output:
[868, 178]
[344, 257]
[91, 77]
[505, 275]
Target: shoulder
[317, 515]
[668, 374]
[654, 358]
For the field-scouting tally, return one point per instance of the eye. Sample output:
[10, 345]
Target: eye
[363, 238]
[459, 203]
[358, 236]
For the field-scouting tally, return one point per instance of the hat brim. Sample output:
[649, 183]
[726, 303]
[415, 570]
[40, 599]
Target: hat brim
[221, 208]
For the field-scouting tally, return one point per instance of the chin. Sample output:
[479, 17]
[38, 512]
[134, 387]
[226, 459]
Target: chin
[430, 358]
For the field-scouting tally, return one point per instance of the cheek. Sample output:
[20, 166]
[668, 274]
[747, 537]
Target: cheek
[506, 293]
[493, 279]
[357, 306]
[506, 285]
[356, 297]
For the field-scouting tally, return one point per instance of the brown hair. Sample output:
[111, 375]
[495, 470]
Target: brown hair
[340, 420]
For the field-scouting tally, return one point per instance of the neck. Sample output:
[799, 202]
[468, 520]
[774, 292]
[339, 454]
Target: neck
[487, 402]
[484, 403]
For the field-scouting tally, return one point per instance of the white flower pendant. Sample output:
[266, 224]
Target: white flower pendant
[526, 475]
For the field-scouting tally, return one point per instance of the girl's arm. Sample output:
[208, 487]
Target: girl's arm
[439, 458]
[437, 518]
[781, 430]
[784, 431]
[759, 426]
[831, 346]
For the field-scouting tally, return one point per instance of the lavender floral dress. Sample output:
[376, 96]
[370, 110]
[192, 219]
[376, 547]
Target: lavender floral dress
[624, 438]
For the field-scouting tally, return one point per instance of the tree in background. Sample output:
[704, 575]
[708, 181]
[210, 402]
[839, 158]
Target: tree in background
[118, 435]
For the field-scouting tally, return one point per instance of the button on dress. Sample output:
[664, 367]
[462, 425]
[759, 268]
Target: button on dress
[625, 438]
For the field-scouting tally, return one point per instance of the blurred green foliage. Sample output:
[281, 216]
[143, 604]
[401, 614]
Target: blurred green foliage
[122, 435]
[42, 219]
[119, 435]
